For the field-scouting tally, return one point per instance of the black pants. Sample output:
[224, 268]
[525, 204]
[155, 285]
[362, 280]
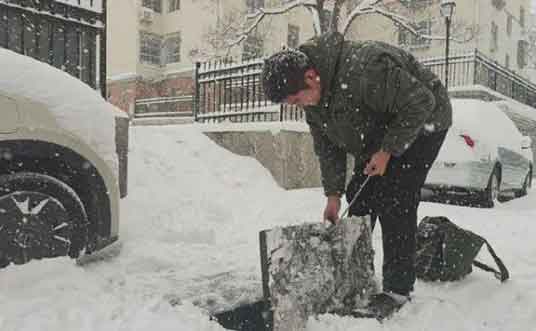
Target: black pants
[394, 198]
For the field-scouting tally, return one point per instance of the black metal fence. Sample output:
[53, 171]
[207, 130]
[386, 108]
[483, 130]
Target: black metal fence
[67, 34]
[474, 68]
[227, 91]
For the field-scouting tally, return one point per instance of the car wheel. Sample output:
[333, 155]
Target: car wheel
[491, 193]
[40, 217]
[526, 184]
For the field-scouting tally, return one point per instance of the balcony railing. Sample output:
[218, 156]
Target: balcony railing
[228, 91]
[476, 69]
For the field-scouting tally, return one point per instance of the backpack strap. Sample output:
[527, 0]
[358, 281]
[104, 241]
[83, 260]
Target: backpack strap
[501, 275]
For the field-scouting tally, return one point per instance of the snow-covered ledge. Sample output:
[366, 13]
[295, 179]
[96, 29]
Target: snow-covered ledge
[284, 148]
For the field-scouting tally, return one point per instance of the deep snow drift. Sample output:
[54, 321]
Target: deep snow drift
[189, 231]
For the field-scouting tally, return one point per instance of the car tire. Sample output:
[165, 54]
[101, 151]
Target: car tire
[527, 183]
[491, 193]
[40, 217]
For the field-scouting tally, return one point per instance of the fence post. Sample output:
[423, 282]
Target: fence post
[196, 94]
[475, 64]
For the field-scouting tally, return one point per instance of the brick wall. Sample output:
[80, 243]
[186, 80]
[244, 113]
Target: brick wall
[124, 93]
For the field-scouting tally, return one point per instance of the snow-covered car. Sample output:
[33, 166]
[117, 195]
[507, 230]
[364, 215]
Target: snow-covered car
[60, 173]
[484, 155]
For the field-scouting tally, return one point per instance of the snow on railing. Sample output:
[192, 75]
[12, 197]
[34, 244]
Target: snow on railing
[95, 21]
[228, 65]
[93, 5]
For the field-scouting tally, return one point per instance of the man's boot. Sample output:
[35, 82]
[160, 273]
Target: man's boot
[382, 306]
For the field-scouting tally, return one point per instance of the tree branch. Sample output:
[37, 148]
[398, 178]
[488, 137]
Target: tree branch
[261, 13]
[407, 24]
[335, 15]
[371, 8]
[317, 26]
[365, 7]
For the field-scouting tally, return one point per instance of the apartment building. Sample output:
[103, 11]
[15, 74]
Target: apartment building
[496, 28]
[153, 44]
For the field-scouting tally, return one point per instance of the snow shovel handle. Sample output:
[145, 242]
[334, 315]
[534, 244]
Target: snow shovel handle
[347, 210]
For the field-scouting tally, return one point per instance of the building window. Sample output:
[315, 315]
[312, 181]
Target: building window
[253, 5]
[155, 5]
[414, 4]
[509, 24]
[174, 5]
[253, 47]
[172, 48]
[407, 38]
[494, 46]
[150, 46]
[522, 49]
[293, 37]
[507, 61]
[522, 16]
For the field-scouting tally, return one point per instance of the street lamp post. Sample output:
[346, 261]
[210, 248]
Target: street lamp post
[447, 10]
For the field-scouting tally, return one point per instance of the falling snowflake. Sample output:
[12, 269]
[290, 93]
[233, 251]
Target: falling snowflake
[429, 127]
[7, 156]
[344, 86]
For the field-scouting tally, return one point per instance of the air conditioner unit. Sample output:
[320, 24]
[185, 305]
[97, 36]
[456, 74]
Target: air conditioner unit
[146, 15]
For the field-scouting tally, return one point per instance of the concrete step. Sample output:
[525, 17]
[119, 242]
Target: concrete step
[172, 120]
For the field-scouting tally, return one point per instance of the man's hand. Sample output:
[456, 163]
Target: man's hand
[333, 206]
[377, 164]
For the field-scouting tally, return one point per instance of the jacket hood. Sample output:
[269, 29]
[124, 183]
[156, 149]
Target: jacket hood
[324, 52]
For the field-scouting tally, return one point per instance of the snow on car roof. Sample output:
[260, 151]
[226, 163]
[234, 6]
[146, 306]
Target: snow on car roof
[501, 99]
[77, 107]
[484, 119]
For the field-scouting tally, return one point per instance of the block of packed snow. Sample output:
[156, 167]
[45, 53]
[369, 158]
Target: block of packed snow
[312, 269]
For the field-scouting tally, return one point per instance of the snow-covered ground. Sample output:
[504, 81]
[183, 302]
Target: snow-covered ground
[189, 230]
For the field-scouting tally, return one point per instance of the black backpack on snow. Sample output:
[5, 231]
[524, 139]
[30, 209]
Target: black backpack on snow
[447, 252]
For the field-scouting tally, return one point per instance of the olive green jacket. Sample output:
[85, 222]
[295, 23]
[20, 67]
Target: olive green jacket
[374, 97]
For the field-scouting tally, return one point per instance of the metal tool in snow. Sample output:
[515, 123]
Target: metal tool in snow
[354, 199]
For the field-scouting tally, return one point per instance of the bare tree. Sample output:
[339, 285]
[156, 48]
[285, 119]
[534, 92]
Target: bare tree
[233, 29]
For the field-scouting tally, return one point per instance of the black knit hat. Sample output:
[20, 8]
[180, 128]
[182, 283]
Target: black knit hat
[283, 74]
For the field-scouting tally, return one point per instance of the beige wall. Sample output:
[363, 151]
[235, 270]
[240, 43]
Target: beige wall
[373, 27]
[192, 21]
[275, 29]
[122, 38]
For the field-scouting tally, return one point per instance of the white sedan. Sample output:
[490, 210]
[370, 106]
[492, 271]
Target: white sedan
[484, 156]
